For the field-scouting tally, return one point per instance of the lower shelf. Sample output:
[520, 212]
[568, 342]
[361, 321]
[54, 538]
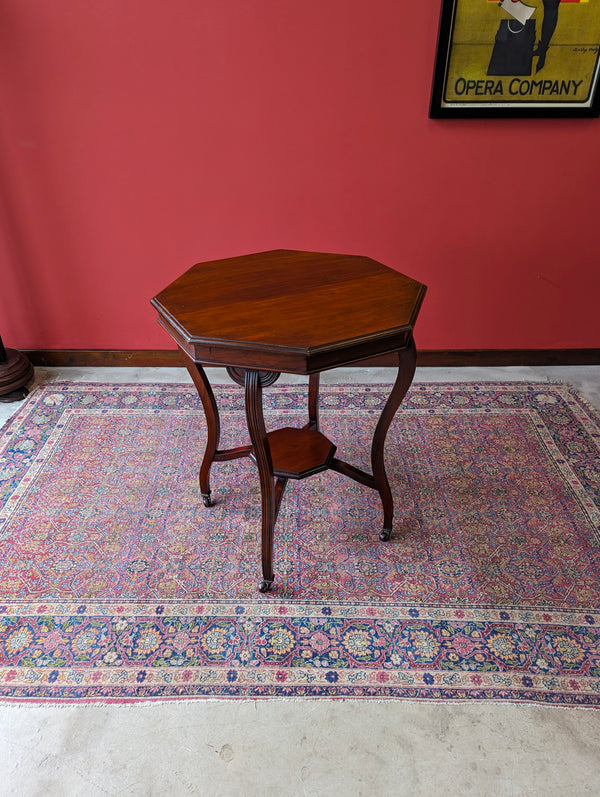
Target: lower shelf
[298, 453]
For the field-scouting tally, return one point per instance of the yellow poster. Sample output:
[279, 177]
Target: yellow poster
[539, 56]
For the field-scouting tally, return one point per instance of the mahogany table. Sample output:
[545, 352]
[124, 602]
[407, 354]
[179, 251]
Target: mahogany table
[294, 312]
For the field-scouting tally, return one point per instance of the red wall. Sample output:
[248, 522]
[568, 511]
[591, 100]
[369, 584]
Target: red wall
[137, 138]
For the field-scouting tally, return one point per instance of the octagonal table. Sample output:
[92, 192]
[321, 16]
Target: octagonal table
[294, 312]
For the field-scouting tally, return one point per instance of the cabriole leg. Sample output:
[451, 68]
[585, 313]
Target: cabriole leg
[213, 425]
[407, 360]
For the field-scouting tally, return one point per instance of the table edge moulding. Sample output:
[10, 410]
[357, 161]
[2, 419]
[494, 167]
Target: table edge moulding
[295, 312]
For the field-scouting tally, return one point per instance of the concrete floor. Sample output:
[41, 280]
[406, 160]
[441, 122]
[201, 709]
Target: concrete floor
[319, 747]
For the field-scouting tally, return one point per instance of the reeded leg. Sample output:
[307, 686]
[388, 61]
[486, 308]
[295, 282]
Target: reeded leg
[213, 425]
[262, 456]
[313, 402]
[407, 359]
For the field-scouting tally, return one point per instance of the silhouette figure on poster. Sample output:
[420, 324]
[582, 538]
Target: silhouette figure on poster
[513, 48]
[514, 45]
[548, 28]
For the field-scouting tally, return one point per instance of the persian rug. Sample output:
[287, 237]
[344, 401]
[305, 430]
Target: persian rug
[117, 584]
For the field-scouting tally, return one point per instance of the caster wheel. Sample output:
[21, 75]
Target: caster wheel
[385, 535]
[265, 586]
[206, 500]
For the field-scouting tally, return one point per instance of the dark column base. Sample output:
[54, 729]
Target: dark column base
[15, 373]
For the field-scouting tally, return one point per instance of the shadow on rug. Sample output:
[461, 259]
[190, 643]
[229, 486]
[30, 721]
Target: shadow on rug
[117, 584]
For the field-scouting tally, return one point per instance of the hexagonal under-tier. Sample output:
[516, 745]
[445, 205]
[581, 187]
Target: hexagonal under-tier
[298, 453]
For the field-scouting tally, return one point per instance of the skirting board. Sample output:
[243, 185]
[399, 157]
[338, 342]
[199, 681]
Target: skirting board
[142, 358]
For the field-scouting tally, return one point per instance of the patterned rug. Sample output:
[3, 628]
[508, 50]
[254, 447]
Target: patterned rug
[117, 584]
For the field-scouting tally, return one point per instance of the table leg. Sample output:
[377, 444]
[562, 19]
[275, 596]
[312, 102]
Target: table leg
[270, 491]
[407, 360]
[313, 402]
[213, 425]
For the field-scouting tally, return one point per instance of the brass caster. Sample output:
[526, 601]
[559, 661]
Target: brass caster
[385, 535]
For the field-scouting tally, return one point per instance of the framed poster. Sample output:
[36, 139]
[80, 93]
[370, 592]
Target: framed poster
[514, 58]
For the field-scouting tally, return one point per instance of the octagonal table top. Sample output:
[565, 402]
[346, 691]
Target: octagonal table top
[291, 311]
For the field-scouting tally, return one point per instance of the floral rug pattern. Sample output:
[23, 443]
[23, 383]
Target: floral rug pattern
[117, 584]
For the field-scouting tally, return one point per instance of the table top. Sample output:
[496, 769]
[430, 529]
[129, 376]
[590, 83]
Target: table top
[291, 311]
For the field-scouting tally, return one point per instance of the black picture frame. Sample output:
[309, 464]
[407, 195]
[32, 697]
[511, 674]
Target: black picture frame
[471, 59]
